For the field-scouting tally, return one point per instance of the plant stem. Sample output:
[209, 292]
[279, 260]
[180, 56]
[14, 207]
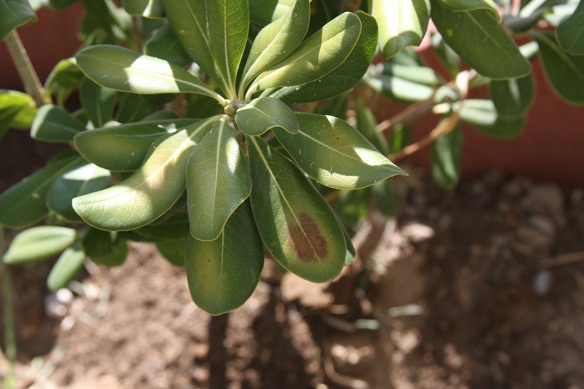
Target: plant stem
[406, 115]
[8, 313]
[27, 73]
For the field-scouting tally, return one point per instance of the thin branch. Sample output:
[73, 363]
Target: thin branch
[411, 112]
[27, 73]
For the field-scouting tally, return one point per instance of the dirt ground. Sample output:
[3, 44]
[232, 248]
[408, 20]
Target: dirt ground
[479, 287]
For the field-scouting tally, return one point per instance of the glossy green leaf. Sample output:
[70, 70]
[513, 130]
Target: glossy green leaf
[472, 5]
[145, 8]
[38, 243]
[418, 74]
[165, 45]
[401, 23]
[483, 116]
[189, 20]
[104, 247]
[446, 156]
[278, 39]
[98, 102]
[570, 32]
[336, 155]
[124, 147]
[295, 222]
[514, 96]
[263, 114]
[173, 250]
[366, 124]
[345, 76]
[315, 57]
[133, 108]
[228, 24]
[481, 41]
[128, 71]
[217, 181]
[13, 14]
[223, 273]
[54, 124]
[399, 88]
[83, 179]
[565, 72]
[149, 192]
[66, 268]
[24, 204]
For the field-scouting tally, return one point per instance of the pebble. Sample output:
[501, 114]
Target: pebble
[542, 282]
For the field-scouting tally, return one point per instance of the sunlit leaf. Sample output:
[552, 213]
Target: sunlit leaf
[483, 116]
[223, 273]
[66, 268]
[399, 88]
[165, 45]
[54, 124]
[418, 74]
[295, 222]
[265, 113]
[39, 243]
[401, 23]
[217, 181]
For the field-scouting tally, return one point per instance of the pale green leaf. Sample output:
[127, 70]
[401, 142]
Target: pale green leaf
[278, 39]
[315, 57]
[54, 124]
[13, 14]
[124, 147]
[418, 74]
[16, 108]
[128, 71]
[66, 268]
[149, 192]
[217, 181]
[401, 23]
[481, 41]
[24, 203]
[39, 243]
[336, 155]
[265, 113]
[223, 273]
[399, 88]
[295, 222]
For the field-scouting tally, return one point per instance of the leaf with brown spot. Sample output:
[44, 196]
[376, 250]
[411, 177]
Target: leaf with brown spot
[296, 224]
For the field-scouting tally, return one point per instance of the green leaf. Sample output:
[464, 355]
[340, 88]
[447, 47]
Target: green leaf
[173, 227]
[483, 115]
[316, 57]
[336, 155]
[217, 181]
[105, 22]
[570, 32]
[228, 24]
[401, 23]
[133, 108]
[66, 268]
[145, 8]
[189, 20]
[471, 5]
[128, 71]
[149, 192]
[54, 124]
[564, 72]
[83, 179]
[446, 156]
[278, 39]
[295, 222]
[98, 102]
[399, 88]
[13, 14]
[419, 74]
[263, 114]
[223, 273]
[173, 250]
[61, 4]
[481, 41]
[345, 76]
[104, 247]
[514, 96]
[385, 198]
[39, 243]
[24, 204]
[124, 147]
[63, 80]
[366, 124]
[15, 108]
[165, 45]
[263, 12]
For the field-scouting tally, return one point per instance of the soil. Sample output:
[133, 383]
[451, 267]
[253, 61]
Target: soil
[477, 287]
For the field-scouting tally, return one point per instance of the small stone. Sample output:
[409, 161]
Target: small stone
[417, 232]
[542, 282]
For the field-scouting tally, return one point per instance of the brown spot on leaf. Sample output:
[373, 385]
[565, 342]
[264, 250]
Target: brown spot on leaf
[305, 239]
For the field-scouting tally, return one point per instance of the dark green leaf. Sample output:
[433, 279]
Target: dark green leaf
[66, 268]
[514, 96]
[61, 4]
[471, 5]
[165, 45]
[54, 124]
[145, 8]
[173, 227]
[97, 102]
[133, 108]
[13, 14]
[173, 250]
[63, 80]
[385, 198]
[105, 22]
[446, 155]
[263, 114]
[483, 116]
[295, 222]
[104, 247]
[366, 124]
[39, 243]
[570, 32]
[223, 273]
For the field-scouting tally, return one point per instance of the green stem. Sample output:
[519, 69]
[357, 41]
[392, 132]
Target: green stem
[27, 73]
[8, 313]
